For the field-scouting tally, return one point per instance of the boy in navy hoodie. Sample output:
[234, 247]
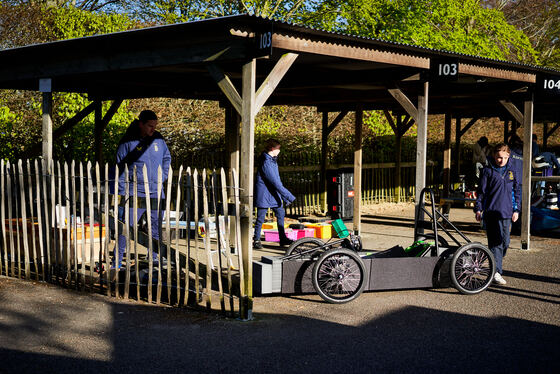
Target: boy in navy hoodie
[497, 197]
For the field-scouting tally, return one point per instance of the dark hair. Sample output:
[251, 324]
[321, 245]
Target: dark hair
[515, 141]
[147, 115]
[483, 141]
[271, 144]
[133, 130]
[501, 147]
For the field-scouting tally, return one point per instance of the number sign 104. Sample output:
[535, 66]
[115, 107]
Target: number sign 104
[550, 84]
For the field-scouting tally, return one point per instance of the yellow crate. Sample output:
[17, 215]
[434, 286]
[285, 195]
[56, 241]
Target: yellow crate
[270, 226]
[322, 231]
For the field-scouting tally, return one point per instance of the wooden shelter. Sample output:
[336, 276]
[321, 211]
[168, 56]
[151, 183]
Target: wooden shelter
[246, 62]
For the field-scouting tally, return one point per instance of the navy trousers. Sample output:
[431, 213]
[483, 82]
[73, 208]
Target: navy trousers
[497, 231]
[155, 221]
[261, 214]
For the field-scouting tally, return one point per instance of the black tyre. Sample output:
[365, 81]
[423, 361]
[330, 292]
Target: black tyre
[339, 276]
[472, 268]
[304, 247]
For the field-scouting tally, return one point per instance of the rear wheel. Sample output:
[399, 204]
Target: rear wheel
[339, 276]
[472, 268]
[304, 247]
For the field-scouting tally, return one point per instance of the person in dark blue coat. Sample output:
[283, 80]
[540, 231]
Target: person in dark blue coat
[270, 192]
[142, 145]
[496, 203]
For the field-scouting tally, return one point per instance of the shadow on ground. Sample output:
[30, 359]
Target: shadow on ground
[153, 339]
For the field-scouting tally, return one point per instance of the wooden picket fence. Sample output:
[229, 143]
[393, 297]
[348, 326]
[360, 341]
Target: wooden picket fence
[63, 226]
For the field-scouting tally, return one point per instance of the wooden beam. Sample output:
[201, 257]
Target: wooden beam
[421, 140]
[407, 124]
[101, 125]
[391, 121]
[358, 172]
[64, 128]
[405, 102]
[468, 126]
[336, 121]
[246, 182]
[485, 71]
[362, 52]
[512, 109]
[526, 183]
[271, 82]
[226, 86]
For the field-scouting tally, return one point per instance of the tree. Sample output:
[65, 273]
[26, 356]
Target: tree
[539, 20]
[172, 11]
[463, 26]
[20, 120]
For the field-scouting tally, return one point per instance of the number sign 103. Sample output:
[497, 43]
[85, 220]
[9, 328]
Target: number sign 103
[447, 69]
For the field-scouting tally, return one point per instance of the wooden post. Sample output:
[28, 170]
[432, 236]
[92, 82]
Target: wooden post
[447, 155]
[45, 86]
[232, 140]
[457, 146]
[246, 181]
[544, 136]
[358, 171]
[98, 131]
[398, 154]
[526, 184]
[421, 141]
[506, 130]
[324, 153]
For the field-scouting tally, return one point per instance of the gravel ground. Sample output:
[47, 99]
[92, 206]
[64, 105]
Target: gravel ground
[513, 328]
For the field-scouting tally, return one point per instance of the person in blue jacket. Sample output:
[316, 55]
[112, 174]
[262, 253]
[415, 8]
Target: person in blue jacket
[496, 203]
[142, 145]
[270, 192]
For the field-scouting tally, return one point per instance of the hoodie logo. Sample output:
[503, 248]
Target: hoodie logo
[510, 175]
[138, 148]
[155, 147]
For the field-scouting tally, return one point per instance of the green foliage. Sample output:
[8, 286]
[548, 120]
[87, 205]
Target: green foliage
[71, 22]
[463, 26]
[173, 11]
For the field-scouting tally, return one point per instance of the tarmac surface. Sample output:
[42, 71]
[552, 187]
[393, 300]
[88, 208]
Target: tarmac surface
[512, 328]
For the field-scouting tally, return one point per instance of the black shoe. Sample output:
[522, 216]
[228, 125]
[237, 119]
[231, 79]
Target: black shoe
[284, 242]
[257, 244]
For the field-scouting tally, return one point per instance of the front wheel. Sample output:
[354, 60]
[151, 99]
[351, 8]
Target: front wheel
[339, 276]
[472, 268]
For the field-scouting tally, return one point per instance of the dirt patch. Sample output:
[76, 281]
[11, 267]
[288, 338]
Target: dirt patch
[387, 208]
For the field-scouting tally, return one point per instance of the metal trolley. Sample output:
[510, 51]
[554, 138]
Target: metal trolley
[339, 270]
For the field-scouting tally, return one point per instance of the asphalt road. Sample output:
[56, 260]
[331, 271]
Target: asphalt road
[513, 328]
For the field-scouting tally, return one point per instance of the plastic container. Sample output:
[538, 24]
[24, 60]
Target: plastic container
[303, 233]
[269, 226]
[271, 235]
[340, 228]
[322, 231]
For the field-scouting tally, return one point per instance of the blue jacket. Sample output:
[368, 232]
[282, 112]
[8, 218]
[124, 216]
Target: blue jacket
[498, 193]
[136, 151]
[516, 161]
[269, 190]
